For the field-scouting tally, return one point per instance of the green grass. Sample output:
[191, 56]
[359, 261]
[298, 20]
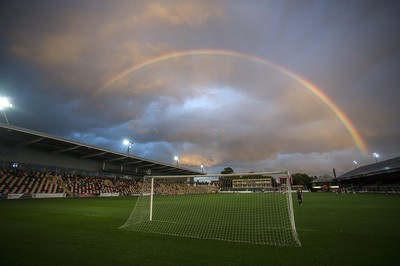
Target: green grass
[334, 230]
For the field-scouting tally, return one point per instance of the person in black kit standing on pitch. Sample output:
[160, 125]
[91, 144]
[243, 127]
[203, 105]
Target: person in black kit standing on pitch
[299, 196]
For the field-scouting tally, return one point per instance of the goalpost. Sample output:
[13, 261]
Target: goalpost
[246, 207]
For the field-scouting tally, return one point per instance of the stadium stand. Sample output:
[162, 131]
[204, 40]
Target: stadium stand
[380, 177]
[14, 181]
[22, 146]
[33, 162]
[324, 183]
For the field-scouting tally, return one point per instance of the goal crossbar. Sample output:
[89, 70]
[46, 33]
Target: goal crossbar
[218, 175]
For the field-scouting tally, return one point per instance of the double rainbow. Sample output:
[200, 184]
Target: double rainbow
[358, 140]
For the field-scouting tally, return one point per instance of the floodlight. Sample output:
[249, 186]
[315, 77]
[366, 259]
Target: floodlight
[376, 156]
[176, 158]
[128, 143]
[5, 103]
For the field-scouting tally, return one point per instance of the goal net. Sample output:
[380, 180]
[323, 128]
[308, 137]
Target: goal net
[248, 207]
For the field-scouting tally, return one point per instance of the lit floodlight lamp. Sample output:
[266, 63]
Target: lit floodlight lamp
[5, 103]
[376, 156]
[176, 158]
[355, 163]
[127, 143]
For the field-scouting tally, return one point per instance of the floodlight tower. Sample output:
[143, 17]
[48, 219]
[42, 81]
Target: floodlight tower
[376, 156]
[176, 158]
[355, 163]
[129, 144]
[5, 103]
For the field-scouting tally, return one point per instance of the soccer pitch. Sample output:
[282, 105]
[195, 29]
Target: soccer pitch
[333, 229]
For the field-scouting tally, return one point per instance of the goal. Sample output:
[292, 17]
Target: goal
[247, 207]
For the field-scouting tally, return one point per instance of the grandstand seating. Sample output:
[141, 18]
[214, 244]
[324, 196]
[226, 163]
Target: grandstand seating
[18, 181]
[21, 182]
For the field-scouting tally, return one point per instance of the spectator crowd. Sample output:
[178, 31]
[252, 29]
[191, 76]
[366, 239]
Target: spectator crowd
[15, 181]
[22, 182]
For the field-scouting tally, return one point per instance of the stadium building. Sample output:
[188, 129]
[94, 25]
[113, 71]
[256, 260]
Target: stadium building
[380, 177]
[28, 149]
[324, 183]
[24, 151]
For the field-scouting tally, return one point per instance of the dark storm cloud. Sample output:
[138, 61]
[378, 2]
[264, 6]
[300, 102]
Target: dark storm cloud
[56, 57]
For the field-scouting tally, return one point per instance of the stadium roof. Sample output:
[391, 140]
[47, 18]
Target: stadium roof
[384, 167]
[19, 137]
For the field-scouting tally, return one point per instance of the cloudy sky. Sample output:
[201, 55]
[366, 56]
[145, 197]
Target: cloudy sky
[298, 85]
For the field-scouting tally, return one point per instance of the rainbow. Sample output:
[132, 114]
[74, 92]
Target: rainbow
[358, 140]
